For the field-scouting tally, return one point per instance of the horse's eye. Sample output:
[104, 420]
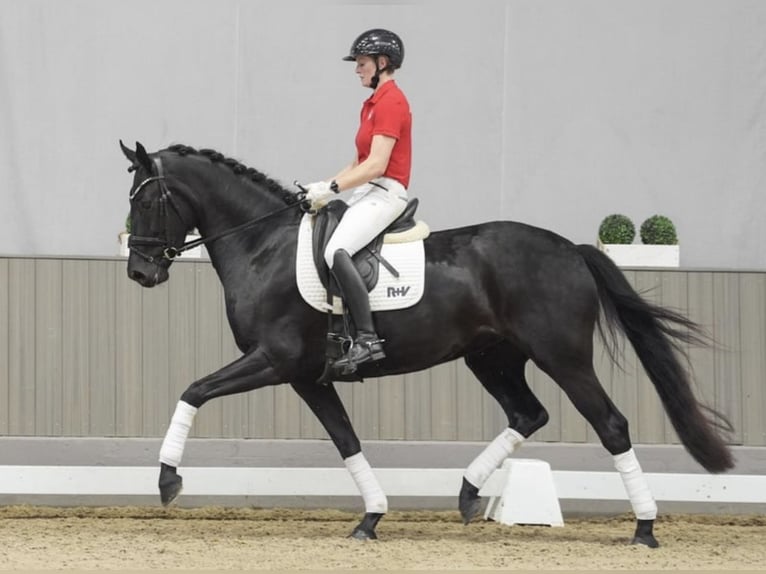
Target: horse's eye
[145, 204]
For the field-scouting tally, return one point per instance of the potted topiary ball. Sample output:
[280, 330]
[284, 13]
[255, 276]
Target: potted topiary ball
[659, 246]
[616, 229]
[658, 230]
[615, 237]
[122, 238]
[660, 242]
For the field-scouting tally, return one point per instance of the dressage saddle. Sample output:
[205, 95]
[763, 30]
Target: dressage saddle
[369, 258]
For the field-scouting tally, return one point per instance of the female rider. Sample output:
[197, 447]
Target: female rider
[378, 176]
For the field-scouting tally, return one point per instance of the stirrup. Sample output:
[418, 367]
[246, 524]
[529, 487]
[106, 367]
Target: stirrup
[363, 350]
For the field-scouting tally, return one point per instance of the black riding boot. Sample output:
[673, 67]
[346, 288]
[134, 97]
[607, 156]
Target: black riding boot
[367, 345]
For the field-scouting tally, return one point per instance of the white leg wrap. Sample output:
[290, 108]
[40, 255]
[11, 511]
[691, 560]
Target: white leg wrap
[640, 496]
[374, 498]
[493, 456]
[175, 439]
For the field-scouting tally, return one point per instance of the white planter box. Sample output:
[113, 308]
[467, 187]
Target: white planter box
[195, 253]
[639, 255]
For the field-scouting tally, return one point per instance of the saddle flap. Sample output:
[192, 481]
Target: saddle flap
[367, 260]
[325, 222]
[390, 292]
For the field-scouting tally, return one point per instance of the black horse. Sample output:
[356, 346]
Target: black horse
[498, 294]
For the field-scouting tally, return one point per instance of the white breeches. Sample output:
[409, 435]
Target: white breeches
[371, 209]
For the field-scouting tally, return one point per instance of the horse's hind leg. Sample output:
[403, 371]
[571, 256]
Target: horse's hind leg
[325, 403]
[500, 369]
[578, 380]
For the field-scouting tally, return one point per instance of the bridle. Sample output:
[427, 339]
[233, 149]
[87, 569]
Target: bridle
[167, 199]
[167, 202]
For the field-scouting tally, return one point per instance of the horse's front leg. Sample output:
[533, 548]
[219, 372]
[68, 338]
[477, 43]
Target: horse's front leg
[251, 371]
[325, 403]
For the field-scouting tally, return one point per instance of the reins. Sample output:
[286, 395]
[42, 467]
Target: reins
[169, 252]
[172, 252]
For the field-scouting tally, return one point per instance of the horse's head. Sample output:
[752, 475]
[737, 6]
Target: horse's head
[159, 219]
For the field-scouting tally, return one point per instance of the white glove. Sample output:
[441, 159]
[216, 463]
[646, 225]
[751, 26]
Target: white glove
[318, 193]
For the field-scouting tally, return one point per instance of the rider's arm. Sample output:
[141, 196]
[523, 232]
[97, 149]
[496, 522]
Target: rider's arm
[346, 169]
[372, 167]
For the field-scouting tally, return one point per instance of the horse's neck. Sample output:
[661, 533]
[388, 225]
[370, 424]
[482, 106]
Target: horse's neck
[220, 211]
[224, 200]
[268, 239]
[271, 236]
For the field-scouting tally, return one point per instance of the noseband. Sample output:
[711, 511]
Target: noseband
[166, 198]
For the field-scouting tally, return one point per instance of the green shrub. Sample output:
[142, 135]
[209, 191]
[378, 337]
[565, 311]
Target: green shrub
[617, 228]
[128, 223]
[658, 230]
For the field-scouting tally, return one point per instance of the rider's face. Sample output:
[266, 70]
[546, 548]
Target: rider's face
[365, 69]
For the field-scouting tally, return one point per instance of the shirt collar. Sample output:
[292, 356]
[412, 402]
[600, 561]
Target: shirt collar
[386, 87]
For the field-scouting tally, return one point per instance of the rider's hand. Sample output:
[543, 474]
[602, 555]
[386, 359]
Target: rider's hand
[318, 193]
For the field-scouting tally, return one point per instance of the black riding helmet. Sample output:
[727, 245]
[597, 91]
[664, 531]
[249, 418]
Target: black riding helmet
[378, 42]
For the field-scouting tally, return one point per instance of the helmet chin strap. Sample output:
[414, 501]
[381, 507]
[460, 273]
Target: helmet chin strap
[376, 77]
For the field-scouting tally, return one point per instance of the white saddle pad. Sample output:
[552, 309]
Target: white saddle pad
[390, 293]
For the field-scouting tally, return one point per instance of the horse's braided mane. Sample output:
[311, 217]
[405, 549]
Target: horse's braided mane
[239, 169]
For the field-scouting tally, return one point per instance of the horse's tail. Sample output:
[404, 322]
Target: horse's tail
[656, 334]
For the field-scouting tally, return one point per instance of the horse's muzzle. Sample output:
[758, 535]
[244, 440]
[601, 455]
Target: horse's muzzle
[155, 276]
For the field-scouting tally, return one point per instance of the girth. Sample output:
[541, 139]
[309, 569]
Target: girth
[368, 259]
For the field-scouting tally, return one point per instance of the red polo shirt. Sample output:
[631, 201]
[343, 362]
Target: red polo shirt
[387, 113]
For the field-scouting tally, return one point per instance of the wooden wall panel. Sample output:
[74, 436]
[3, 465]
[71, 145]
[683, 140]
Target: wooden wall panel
[48, 415]
[75, 373]
[752, 296]
[102, 322]
[129, 358]
[417, 406]
[21, 324]
[155, 372]
[444, 405]
[84, 351]
[728, 384]
[391, 408]
[4, 346]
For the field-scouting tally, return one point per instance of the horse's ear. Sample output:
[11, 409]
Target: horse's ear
[129, 153]
[143, 157]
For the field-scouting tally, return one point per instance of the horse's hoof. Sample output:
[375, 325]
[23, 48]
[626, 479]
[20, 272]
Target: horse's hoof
[362, 534]
[366, 528]
[469, 502]
[649, 541]
[644, 534]
[170, 484]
